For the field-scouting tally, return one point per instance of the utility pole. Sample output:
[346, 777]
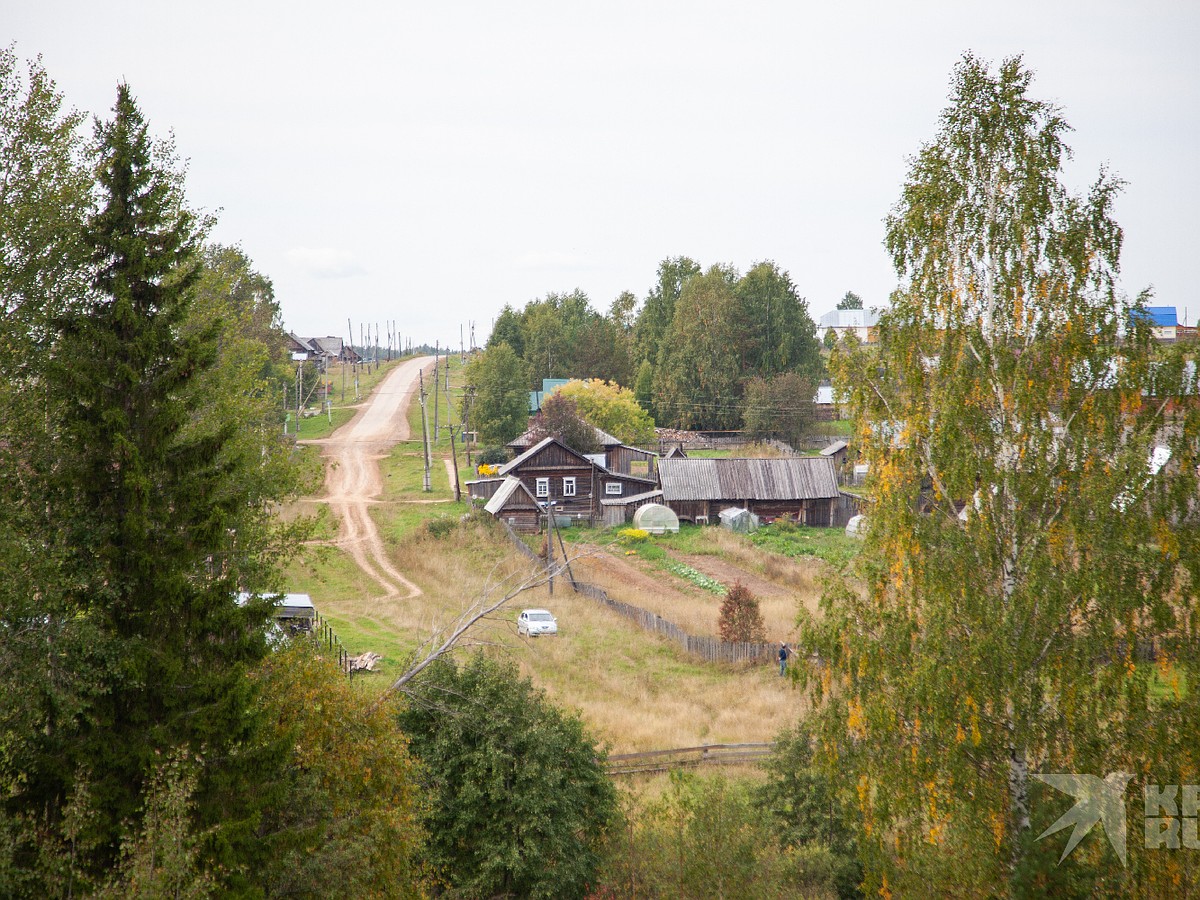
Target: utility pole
[437, 432]
[425, 433]
[454, 458]
[467, 401]
[550, 545]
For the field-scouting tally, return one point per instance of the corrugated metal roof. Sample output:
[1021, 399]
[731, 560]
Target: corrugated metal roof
[634, 498]
[1162, 316]
[798, 478]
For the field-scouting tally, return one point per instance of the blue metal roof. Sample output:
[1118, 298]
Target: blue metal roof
[1162, 316]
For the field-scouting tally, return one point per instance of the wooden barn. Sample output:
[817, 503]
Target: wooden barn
[801, 488]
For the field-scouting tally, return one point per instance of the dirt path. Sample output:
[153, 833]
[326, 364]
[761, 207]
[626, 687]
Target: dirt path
[353, 481]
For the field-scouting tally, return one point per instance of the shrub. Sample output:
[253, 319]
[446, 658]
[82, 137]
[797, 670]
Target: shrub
[741, 619]
[440, 527]
[491, 456]
[633, 535]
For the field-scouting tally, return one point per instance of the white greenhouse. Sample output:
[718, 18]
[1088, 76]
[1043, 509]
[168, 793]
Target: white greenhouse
[656, 519]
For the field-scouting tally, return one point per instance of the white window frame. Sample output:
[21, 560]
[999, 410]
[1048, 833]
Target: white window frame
[542, 487]
[568, 486]
[612, 488]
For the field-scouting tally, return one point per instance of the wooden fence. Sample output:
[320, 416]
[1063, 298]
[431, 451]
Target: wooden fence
[686, 757]
[709, 648]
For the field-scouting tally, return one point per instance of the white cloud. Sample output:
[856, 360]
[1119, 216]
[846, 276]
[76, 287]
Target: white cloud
[325, 262]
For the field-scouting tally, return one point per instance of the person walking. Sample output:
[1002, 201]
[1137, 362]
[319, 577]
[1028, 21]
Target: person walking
[784, 653]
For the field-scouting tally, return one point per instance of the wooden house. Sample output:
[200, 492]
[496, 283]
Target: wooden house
[553, 473]
[801, 488]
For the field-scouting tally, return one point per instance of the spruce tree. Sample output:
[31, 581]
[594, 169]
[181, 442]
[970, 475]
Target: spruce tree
[151, 501]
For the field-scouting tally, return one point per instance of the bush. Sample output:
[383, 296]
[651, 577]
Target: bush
[633, 535]
[440, 527]
[741, 619]
[519, 801]
[492, 456]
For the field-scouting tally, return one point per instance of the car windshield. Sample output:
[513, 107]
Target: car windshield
[541, 617]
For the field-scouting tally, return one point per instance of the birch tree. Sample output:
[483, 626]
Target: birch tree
[1033, 526]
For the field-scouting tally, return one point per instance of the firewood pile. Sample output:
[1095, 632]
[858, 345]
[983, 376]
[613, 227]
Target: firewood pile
[364, 662]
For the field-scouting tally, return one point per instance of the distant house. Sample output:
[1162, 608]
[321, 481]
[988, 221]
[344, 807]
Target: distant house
[537, 398]
[862, 323]
[617, 458]
[801, 488]
[553, 473]
[1164, 323]
[838, 452]
[323, 350]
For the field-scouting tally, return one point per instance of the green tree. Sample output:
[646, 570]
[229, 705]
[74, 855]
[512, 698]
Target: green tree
[1024, 535]
[150, 508]
[508, 329]
[496, 402]
[850, 301]
[775, 332]
[559, 418]
[43, 272]
[520, 803]
[781, 407]
[698, 377]
[611, 408]
[643, 388]
[658, 312]
[805, 808]
[44, 199]
[711, 838]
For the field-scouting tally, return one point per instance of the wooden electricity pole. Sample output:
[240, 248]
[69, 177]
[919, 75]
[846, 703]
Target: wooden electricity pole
[425, 433]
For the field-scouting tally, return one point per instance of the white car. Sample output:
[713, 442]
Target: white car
[533, 622]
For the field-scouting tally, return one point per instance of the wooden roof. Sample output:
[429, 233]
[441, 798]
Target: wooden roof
[514, 490]
[797, 478]
[525, 439]
[514, 464]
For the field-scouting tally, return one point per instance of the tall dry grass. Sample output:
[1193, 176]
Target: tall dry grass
[633, 689]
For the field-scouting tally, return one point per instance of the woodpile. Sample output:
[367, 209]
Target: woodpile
[364, 662]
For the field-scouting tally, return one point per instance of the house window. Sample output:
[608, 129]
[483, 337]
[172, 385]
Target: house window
[543, 487]
[612, 488]
[569, 486]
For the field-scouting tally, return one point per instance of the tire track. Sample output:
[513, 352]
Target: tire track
[353, 481]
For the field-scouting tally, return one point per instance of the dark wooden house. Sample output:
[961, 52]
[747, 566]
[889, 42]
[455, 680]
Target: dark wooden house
[801, 488]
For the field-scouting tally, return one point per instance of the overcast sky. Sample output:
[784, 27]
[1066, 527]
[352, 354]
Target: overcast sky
[426, 163]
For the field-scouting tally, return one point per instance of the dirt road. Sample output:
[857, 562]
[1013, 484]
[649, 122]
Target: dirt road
[352, 479]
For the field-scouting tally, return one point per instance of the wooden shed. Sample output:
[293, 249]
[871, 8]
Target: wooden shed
[512, 503]
[802, 488]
